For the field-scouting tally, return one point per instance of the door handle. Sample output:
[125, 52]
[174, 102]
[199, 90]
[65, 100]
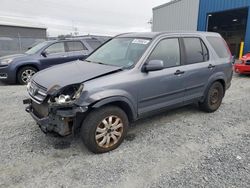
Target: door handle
[210, 66]
[178, 72]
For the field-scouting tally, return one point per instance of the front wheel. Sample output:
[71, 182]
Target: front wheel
[213, 98]
[104, 129]
[25, 73]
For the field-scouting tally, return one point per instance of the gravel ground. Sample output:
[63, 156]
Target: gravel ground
[179, 148]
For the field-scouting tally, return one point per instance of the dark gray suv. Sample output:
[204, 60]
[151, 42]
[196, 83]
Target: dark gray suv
[131, 76]
[20, 67]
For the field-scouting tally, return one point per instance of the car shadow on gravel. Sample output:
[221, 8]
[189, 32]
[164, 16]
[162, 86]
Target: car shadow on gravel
[242, 75]
[54, 143]
[2, 84]
[190, 109]
[7, 84]
[73, 143]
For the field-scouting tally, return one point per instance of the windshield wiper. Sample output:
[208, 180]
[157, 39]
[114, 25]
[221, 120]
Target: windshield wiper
[95, 62]
[101, 63]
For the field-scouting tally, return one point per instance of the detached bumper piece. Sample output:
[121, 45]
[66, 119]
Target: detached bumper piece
[60, 119]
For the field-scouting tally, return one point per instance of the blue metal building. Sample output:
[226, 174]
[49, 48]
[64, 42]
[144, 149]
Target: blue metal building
[230, 18]
[210, 7]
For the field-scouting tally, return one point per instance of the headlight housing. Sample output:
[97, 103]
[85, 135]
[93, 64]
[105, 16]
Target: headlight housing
[67, 95]
[6, 61]
[62, 99]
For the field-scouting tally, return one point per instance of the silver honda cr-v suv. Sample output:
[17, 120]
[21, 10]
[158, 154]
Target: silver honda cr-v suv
[129, 77]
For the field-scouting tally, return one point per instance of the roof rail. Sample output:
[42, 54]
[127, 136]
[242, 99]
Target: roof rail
[84, 37]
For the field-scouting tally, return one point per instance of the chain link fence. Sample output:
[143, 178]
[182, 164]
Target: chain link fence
[16, 45]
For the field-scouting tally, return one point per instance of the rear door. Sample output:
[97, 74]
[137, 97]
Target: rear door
[223, 61]
[197, 67]
[76, 50]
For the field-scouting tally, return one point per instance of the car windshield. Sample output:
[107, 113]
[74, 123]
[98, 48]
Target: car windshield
[36, 48]
[122, 52]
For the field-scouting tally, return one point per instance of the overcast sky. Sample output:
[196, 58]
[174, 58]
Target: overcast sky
[88, 16]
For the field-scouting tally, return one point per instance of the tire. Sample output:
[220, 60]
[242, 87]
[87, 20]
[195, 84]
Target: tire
[213, 98]
[97, 133]
[24, 74]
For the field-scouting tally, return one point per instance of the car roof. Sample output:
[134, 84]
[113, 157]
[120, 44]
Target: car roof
[74, 39]
[152, 35]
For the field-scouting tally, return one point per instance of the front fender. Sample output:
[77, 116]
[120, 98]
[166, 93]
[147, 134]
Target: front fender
[105, 97]
[23, 64]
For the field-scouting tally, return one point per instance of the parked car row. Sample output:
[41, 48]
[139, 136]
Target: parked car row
[20, 67]
[131, 76]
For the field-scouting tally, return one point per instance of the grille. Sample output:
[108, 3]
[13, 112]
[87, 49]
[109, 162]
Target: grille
[37, 92]
[39, 86]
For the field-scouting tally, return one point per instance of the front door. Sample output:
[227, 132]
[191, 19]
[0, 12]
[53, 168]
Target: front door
[164, 88]
[55, 54]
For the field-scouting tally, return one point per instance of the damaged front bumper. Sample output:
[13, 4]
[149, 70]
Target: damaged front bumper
[60, 119]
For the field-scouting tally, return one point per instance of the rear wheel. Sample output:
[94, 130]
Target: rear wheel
[24, 74]
[213, 98]
[104, 129]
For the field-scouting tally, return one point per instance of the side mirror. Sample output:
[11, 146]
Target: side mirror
[154, 65]
[44, 54]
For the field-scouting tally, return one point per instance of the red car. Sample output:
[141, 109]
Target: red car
[244, 66]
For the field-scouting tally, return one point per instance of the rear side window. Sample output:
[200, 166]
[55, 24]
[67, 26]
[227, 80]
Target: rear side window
[93, 43]
[196, 51]
[75, 46]
[168, 51]
[219, 46]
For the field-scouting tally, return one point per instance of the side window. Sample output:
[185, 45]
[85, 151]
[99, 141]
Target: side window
[93, 43]
[75, 46]
[194, 50]
[167, 50]
[219, 46]
[56, 48]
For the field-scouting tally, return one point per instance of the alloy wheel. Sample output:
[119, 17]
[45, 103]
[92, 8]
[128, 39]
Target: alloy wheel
[109, 131]
[27, 74]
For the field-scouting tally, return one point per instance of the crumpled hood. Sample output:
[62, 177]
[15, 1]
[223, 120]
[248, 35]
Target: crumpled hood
[71, 73]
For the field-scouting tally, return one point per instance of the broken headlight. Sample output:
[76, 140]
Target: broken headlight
[67, 94]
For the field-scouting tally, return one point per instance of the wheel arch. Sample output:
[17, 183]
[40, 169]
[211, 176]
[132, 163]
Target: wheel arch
[119, 101]
[223, 83]
[217, 78]
[26, 65]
